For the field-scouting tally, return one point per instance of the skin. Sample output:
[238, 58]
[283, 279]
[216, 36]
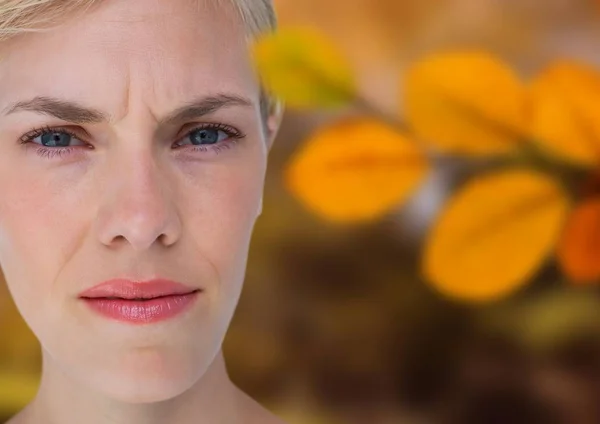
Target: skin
[132, 198]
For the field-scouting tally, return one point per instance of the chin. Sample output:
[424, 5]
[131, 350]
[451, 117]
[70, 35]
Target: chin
[148, 377]
[143, 392]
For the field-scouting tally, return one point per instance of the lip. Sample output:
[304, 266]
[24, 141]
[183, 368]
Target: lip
[127, 289]
[139, 302]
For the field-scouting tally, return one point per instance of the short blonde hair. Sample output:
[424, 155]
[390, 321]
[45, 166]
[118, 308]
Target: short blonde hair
[18, 16]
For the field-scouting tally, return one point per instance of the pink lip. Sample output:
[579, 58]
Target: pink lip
[140, 302]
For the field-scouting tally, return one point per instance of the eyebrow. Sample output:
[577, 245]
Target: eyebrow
[79, 114]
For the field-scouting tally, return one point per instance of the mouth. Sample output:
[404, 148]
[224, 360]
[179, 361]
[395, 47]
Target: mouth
[135, 302]
[142, 310]
[128, 289]
[139, 299]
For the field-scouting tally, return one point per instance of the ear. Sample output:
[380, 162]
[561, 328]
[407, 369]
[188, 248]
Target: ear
[273, 123]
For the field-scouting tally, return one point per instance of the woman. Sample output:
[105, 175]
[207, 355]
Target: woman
[134, 147]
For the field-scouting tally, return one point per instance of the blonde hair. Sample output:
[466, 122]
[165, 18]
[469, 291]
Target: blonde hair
[19, 16]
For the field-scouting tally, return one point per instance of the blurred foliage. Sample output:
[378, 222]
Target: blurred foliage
[564, 117]
[581, 242]
[336, 164]
[493, 234]
[307, 69]
[449, 103]
[16, 390]
[467, 103]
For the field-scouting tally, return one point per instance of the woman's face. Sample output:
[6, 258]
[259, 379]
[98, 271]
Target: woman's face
[136, 185]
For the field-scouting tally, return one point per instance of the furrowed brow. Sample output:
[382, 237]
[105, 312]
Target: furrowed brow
[78, 114]
[205, 106]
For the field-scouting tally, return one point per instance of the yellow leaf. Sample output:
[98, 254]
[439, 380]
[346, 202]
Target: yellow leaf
[579, 249]
[356, 169]
[303, 417]
[553, 317]
[494, 234]
[298, 408]
[556, 317]
[16, 391]
[565, 115]
[466, 102]
[304, 68]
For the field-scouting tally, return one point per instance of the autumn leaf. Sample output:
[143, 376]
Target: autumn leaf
[466, 102]
[354, 170]
[579, 249]
[564, 111]
[16, 390]
[555, 317]
[494, 234]
[304, 68]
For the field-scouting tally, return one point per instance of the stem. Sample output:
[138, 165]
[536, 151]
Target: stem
[367, 107]
[528, 153]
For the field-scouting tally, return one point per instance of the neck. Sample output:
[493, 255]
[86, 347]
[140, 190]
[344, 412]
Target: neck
[60, 400]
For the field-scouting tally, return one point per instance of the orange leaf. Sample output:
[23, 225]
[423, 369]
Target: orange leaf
[565, 114]
[355, 170]
[579, 249]
[494, 234]
[466, 102]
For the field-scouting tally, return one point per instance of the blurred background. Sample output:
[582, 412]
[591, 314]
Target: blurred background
[335, 324]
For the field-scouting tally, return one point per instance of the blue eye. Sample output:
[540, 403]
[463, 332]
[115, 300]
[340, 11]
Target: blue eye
[211, 137]
[55, 139]
[207, 136]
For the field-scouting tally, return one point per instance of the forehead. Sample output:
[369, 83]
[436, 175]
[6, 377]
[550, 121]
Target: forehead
[160, 51]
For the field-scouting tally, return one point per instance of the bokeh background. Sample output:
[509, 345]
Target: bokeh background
[335, 324]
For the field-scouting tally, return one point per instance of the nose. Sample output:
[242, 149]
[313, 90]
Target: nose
[137, 205]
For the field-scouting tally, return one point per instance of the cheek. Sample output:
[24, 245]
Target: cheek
[224, 226]
[38, 218]
[43, 221]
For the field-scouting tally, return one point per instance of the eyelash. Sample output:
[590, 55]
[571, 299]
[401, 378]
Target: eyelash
[233, 136]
